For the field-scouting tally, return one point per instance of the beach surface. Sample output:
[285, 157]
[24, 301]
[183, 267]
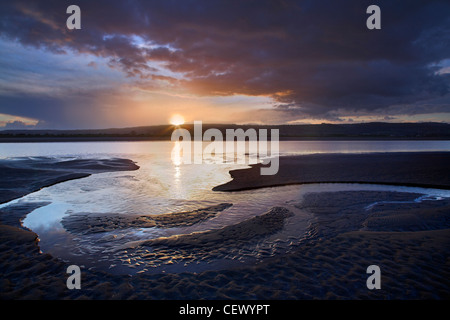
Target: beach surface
[350, 230]
[421, 169]
[22, 176]
[84, 223]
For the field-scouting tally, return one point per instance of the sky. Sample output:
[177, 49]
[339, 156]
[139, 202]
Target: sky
[137, 63]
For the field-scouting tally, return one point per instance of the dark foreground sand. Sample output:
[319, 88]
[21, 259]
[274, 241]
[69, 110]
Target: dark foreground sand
[409, 242]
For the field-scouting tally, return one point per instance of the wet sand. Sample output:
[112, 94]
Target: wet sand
[414, 265]
[251, 229]
[85, 223]
[420, 169]
[22, 176]
[409, 241]
[25, 272]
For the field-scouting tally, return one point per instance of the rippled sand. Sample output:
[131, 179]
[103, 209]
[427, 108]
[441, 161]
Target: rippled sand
[85, 223]
[350, 230]
[414, 264]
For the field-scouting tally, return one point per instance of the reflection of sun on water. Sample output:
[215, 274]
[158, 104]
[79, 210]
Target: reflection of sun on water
[176, 154]
[177, 172]
[176, 159]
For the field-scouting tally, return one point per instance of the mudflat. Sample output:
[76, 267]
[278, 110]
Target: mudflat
[421, 169]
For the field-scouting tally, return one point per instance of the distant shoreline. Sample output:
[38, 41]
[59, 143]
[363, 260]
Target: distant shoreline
[134, 139]
[301, 132]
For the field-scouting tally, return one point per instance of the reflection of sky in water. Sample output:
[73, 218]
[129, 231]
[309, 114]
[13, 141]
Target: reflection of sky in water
[165, 184]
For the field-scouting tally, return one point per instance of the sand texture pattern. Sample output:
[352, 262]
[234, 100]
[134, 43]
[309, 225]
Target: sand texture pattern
[409, 241]
[85, 223]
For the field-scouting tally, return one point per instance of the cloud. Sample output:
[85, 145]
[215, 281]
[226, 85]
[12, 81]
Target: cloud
[315, 59]
[17, 125]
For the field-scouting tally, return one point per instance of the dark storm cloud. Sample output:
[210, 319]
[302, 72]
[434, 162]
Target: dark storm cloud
[52, 111]
[316, 57]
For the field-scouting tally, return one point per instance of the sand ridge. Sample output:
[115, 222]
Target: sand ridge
[250, 229]
[85, 223]
[21, 176]
[421, 169]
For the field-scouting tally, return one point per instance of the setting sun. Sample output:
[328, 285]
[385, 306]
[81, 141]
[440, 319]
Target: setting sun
[176, 120]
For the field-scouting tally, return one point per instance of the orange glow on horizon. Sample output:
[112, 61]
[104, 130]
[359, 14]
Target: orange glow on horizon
[176, 120]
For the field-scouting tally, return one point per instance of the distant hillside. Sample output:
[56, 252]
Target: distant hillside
[374, 130]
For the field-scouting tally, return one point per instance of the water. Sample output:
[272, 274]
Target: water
[163, 148]
[164, 185]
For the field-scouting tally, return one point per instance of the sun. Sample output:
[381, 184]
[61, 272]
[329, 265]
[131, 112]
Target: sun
[176, 120]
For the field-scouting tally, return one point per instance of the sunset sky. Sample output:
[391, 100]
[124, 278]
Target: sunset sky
[137, 63]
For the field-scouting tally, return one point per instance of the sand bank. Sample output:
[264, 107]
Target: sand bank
[217, 249]
[21, 176]
[84, 223]
[253, 228]
[422, 169]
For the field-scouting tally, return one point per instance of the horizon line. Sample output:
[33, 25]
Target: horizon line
[3, 129]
